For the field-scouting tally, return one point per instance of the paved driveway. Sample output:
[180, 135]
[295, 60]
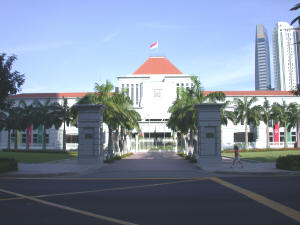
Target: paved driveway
[150, 164]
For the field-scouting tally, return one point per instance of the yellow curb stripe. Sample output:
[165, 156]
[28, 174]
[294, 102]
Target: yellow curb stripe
[108, 189]
[292, 213]
[85, 213]
[91, 178]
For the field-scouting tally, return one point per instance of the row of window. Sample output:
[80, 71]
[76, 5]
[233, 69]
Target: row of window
[240, 137]
[137, 93]
[34, 138]
[69, 138]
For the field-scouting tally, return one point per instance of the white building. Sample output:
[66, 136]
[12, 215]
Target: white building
[152, 87]
[284, 58]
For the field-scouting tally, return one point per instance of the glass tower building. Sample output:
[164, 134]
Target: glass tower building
[262, 59]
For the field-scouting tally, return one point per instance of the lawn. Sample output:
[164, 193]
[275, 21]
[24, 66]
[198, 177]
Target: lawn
[37, 157]
[267, 156]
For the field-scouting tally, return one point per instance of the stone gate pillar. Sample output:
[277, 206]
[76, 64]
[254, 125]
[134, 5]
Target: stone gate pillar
[209, 132]
[90, 132]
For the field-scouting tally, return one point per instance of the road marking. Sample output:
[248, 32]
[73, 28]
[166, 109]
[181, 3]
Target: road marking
[292, 213]
[91, 178]
[108, 189]
[86, 213]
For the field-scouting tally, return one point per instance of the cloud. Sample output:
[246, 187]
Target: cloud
[111, 36]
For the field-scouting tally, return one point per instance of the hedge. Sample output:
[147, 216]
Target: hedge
[262, 150]
[289, 162]
[8, 164]
[36, 151]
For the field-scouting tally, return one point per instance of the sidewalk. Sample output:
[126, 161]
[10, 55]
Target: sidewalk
[56, 168]
[147, 164]
[249, 168]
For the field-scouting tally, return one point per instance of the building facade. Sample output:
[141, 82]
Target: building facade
[262, 59]
[284, 57]
[153, 88]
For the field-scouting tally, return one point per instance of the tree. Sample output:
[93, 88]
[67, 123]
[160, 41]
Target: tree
[296, 7]
[286, 115]
[246, 114]
[296, 91]
[47, 115]
[27, 118]
[183, 112]
[266, 115]
[10, 81]
[67, 118]
[118, 111]
[12, 123]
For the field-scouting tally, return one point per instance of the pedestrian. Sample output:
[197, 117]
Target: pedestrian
[236, 157]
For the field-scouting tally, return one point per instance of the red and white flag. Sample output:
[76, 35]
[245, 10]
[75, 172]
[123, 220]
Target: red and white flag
[155, 45]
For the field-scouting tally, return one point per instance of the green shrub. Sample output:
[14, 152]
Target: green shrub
[37, 151]
[109, 160]
[289, 162]
[8, 164]
[180, 154]
[261, 150]
[117, 157]
[191, 158]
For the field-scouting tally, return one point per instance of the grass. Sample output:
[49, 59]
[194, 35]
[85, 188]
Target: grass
[37, 157]
[267, 156]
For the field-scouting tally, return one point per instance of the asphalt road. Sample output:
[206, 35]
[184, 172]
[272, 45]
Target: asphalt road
[230, 200]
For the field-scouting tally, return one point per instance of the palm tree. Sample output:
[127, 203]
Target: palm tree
[286, 115]
[225, 116]
[47, 115]
[246, 114]
[26, 119]
[12, 123]
[266, 114]
[67, 118]
[296, 7]
[118, 111]
[183, 112]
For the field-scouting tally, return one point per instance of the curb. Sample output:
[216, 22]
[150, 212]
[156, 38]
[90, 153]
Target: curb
[246, 160]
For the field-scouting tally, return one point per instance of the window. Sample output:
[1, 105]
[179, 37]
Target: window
[23, 138]
[182, 84]
[240, 137]
[47, 138]
[177, 84]
[137, 94]
[156, 93]
[132, 92]
[281, 136]
[34, 138]
[127, 86]
[71, 138]
[293, 136]
[12, 137]
[122, 87]
[271, 137]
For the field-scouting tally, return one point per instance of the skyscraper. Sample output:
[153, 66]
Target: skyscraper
[262, 59]
[284, 58]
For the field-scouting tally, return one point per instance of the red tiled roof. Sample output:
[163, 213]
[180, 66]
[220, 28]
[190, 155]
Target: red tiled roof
[51, 95]
[157, 65]
[254, 93]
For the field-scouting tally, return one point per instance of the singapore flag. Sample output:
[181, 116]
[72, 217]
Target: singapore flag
[155, 45]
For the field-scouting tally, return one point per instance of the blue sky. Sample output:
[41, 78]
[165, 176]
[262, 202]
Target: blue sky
[67, 46]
